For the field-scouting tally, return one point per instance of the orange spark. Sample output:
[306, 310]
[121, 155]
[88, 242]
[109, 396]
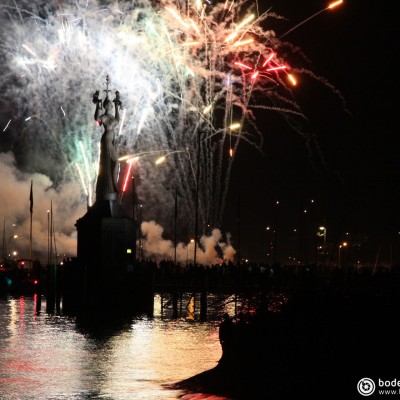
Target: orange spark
[292, 79]
[335, 4]
[242, 65]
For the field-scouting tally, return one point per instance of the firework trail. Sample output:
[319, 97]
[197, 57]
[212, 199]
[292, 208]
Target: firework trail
[190, 74]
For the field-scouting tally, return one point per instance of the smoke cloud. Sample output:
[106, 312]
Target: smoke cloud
[67, 207]
[158, 248]
[66, 204]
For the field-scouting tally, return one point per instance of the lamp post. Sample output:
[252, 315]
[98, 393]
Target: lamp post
[140, 232]
[196, 212]
[9, 242]
[235, 126]
[322, 233]
[275, 237]
[187, 251]
[48, 237]
[161, 160]
[271, 242]
[344, 244]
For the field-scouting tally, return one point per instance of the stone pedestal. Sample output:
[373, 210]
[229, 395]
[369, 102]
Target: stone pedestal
[106, 249]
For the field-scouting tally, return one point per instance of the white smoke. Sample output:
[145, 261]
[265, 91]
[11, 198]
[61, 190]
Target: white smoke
[158, 248]
[66, 205]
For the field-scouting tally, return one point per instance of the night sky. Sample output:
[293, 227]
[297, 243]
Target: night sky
[344, 167]
[352, 173]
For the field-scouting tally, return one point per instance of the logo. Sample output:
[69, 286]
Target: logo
[366, 386]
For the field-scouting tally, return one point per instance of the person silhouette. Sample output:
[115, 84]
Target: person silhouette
[226, 336]
[106, 185]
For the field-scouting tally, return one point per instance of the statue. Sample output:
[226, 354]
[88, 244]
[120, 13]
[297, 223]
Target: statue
[106, 186]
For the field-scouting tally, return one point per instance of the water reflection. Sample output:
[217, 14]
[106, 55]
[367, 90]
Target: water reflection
[49, 356]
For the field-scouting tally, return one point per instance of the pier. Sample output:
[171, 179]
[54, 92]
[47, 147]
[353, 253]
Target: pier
[135, 289]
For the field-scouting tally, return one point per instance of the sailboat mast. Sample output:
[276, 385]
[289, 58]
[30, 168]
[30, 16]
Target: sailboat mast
[4, 253]
[30, 231]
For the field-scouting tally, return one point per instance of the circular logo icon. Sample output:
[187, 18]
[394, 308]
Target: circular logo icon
[366, 386]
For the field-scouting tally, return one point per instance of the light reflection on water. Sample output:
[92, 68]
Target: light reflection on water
[46, 356]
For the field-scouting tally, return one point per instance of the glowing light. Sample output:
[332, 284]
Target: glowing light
[82, 179]
[242, 65]
[231, 36]
[141, 123]
[207, 109]
[122, 122]
[29, 50]
[245, 22]
[128, 174]
[235, 33]
[277, 68]
[195, 27]
[191, 44]
[270, 57]
[8, 123]
[160, 160]
[243, 42]
[177, 16]
[292, 79]
[335, 4]
[136, 156]
[89, 179]
[234, 126]
[231, 152]
[254, 76]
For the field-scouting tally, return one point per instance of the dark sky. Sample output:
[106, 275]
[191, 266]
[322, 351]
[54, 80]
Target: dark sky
[352, 173]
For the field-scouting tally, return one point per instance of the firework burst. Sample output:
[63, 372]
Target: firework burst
[190, 74]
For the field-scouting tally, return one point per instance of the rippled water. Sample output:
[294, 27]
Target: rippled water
[48, 356]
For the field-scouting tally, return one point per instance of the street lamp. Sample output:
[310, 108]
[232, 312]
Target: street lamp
[187, 251]
[271, 241]
[344, 244]
[268, 228]
[9, 242]
[322, 234]
[140, 232]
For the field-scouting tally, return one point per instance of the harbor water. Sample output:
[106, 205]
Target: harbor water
[53, 356]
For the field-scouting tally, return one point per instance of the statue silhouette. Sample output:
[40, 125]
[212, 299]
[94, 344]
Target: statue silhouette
[106, 186]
